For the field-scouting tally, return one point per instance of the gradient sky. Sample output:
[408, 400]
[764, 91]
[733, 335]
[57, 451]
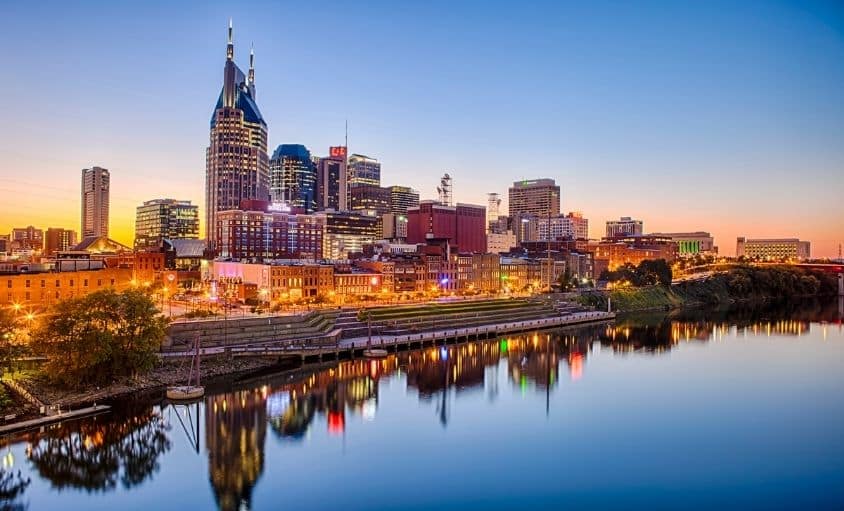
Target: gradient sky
[718, 116]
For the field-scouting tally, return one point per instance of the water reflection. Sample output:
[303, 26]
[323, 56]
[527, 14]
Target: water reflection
[12, 488]
[94, 455]
[659, 332]
[235, 427]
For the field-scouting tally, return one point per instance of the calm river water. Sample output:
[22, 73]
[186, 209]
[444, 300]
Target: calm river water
[701, 410]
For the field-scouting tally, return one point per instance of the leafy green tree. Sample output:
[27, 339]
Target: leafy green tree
[97, 338]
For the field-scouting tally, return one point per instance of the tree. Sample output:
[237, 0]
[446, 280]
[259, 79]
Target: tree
[12, 339]
[100, 337]
[654, 271]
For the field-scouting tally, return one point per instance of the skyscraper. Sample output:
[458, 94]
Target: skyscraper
[236, 162]
[364, 170]
[540, 197]
[158, 219]
[332, 189]
[95, 187]
[293, 178]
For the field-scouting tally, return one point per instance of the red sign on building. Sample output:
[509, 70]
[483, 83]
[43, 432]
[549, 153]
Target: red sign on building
[337, 151]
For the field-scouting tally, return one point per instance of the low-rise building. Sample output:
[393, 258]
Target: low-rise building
[773, 248]
[690, 243]
[40, 289]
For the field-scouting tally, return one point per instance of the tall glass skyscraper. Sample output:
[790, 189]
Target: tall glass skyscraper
[236, 162]
[293, 178]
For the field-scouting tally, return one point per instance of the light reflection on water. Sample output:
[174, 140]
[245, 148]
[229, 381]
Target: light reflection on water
[728, 409]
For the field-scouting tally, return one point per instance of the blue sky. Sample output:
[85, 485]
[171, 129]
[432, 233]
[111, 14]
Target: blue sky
[720, 116]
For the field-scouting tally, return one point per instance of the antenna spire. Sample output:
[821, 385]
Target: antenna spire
[230, 46]
[252, 63]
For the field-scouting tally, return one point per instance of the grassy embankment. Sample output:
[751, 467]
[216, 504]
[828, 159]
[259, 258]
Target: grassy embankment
[743, 284]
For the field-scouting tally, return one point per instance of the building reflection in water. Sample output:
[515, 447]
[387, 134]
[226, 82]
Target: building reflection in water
[235, 430]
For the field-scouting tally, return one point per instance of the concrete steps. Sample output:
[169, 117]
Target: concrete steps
[234, 332]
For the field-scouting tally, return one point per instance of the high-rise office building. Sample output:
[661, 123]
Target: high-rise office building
[332, 188]
[624, 227]
[364, 170]
[463, 225]
[293, 178]
[57, 240]
[402, 198]
[540, 197]
[160, 219]
[236, 162]
[95, 202]
[346, 233]
[369, 199]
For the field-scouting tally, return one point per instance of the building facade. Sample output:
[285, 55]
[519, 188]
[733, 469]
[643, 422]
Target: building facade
[364, 170]
[500, 243]
[96, 183]
[624, 227]
[236, 161]
[402, 198]
[42, 289]
[774, 248]
[569, 227]
[159, 219]
[332, 186]
[539, 197]
[367, 199]
[293, 178]
[691, 243]
[58, 240]
[27, 239]
[346, 233]
[463, 225]
[260, 235]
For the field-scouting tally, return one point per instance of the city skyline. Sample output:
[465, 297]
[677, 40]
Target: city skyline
[771, 116]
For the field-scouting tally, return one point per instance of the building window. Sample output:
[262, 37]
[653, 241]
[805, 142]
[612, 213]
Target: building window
[27, 283]
[71, 282]
[85, 283]
[58, 283]
[43, 283]
[9, 284]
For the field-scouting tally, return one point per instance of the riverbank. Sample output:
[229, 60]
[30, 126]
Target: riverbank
[244, 361]
[740, 285]
[166, 373]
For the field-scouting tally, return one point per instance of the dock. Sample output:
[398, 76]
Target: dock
[47, 420]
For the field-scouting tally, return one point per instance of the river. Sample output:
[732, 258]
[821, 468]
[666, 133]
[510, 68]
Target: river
[740, 409]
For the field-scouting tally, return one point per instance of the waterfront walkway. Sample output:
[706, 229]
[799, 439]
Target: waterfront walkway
[350, 348]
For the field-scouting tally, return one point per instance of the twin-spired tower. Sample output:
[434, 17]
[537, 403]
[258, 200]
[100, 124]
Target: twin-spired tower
[236, 161]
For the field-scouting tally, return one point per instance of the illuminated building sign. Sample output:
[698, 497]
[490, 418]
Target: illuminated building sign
[337, 151]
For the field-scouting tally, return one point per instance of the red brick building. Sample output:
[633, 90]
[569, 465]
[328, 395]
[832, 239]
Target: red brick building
[464, 225]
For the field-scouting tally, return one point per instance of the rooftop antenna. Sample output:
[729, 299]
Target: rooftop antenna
[445, 190]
